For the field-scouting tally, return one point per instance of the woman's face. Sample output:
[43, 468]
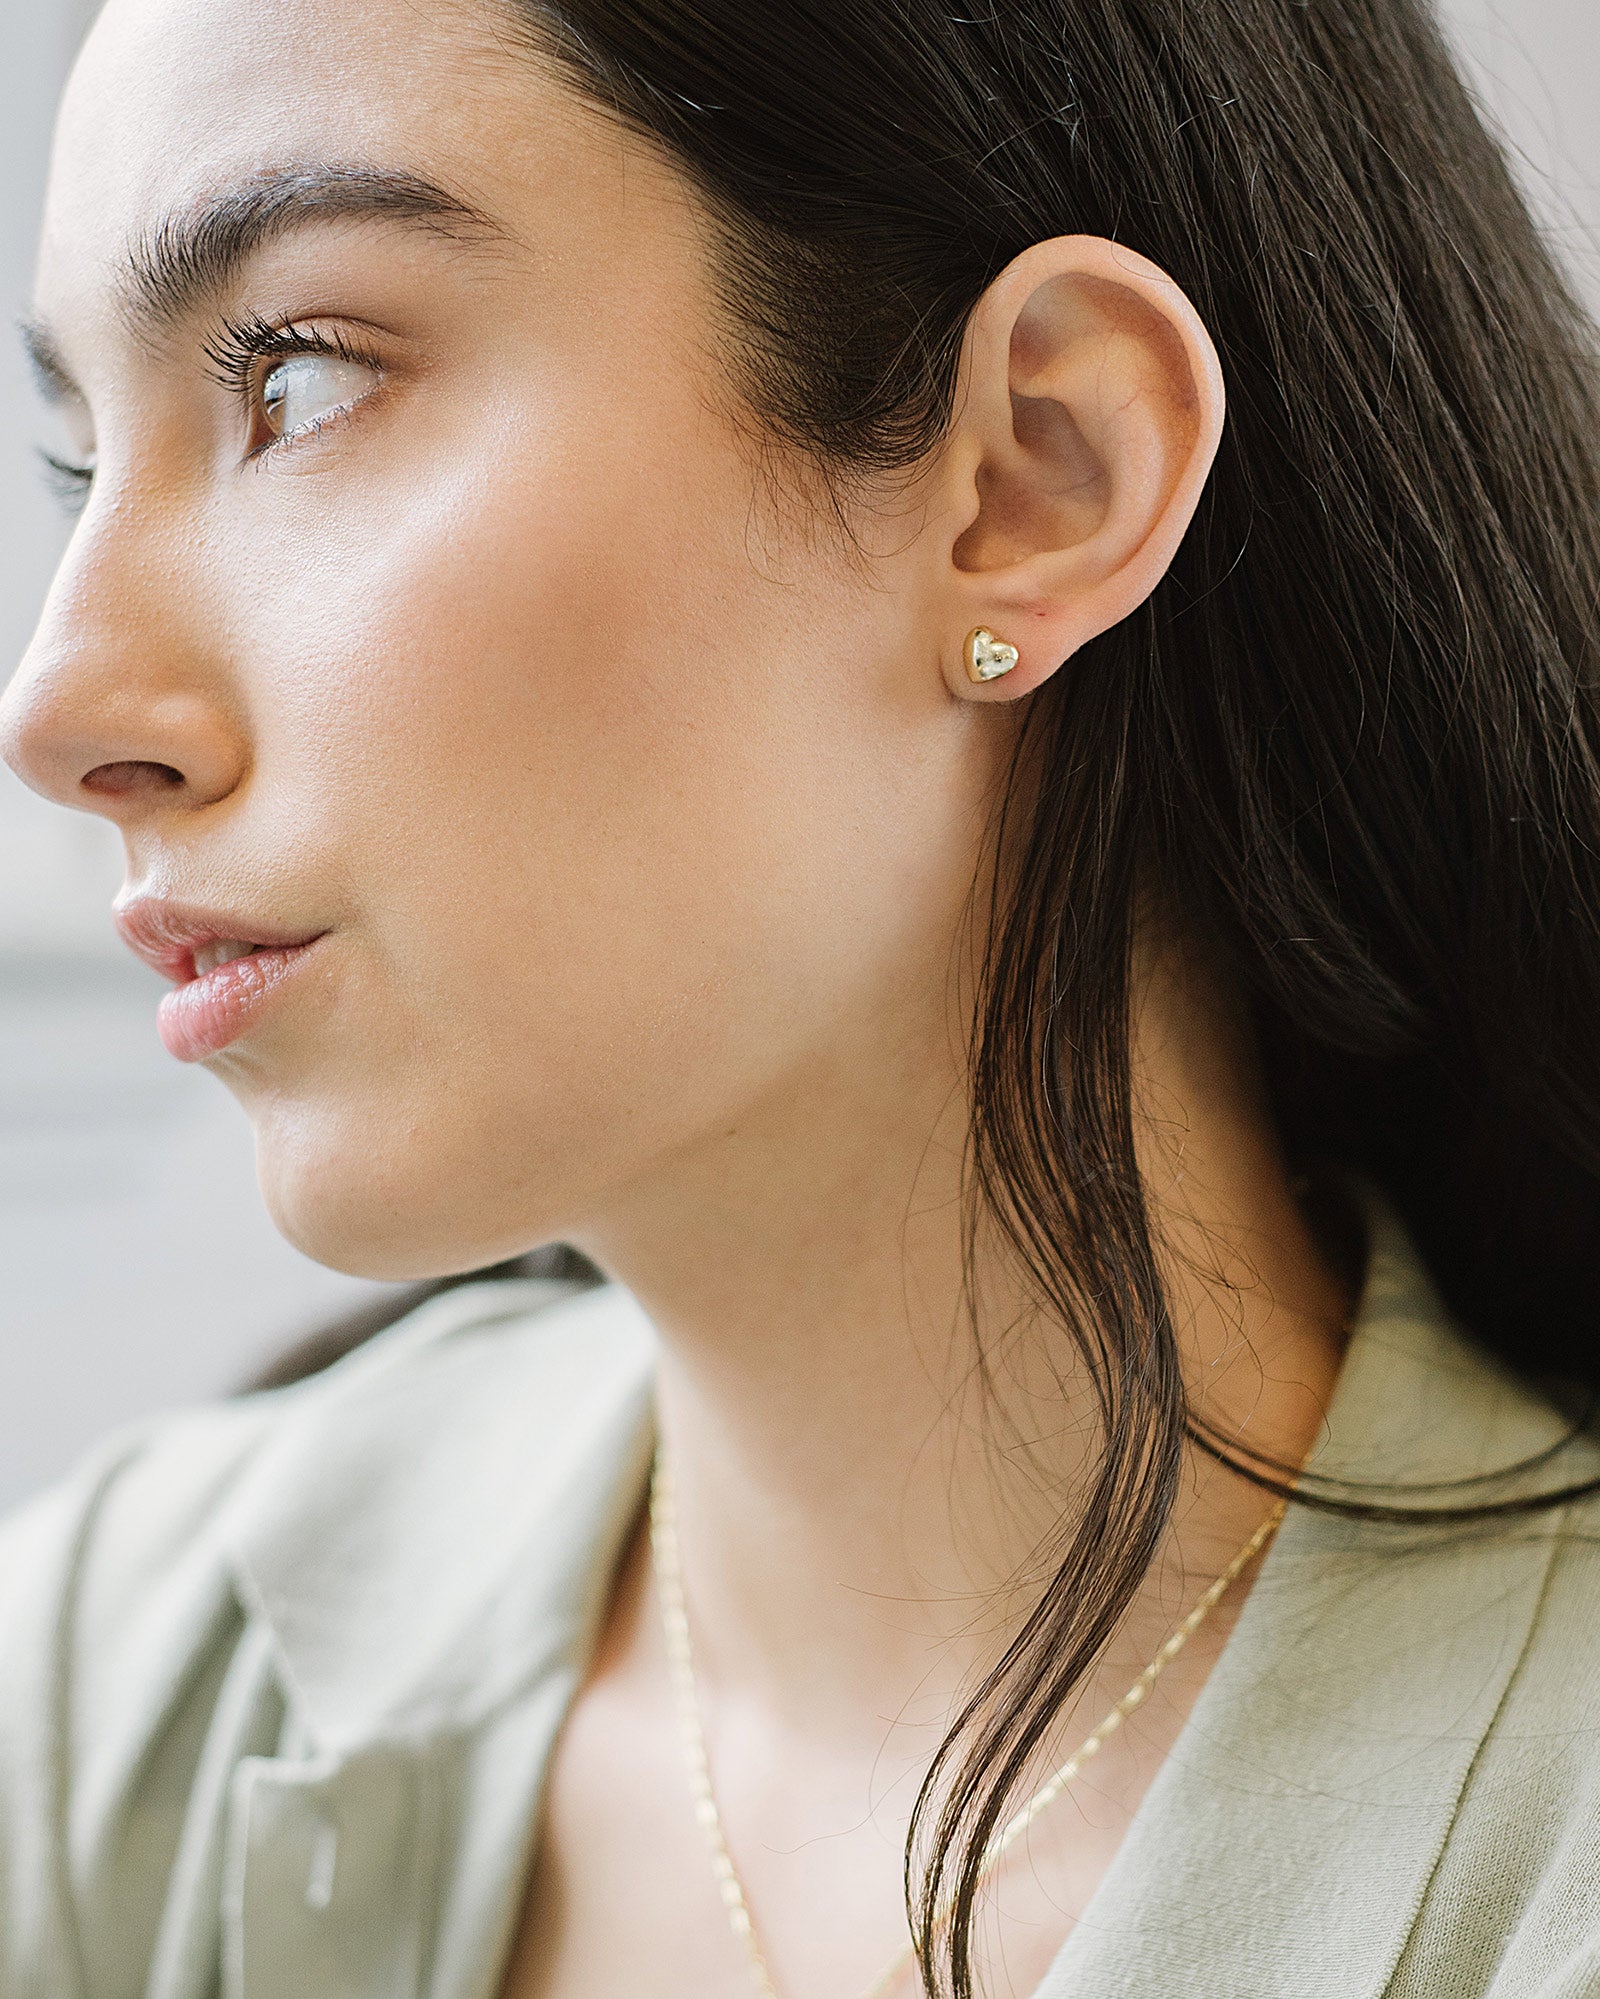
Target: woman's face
[438, 618]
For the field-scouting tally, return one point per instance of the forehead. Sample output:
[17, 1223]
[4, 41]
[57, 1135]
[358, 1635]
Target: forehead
[173, 100]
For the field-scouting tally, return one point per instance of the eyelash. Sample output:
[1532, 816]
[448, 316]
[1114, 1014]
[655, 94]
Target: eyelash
[68, 484]
[239, 347]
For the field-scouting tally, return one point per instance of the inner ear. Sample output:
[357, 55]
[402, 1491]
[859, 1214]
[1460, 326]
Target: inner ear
[1063, 463]
[1050, 489]
[1081, 350]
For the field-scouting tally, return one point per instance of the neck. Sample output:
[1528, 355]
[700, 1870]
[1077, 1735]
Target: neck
[863, 1509]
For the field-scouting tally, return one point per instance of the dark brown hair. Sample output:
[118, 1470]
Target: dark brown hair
[1351, 737]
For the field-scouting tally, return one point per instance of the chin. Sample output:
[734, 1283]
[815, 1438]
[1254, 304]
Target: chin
[387, 1210]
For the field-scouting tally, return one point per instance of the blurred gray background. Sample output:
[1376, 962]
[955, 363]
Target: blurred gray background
[137, 1269]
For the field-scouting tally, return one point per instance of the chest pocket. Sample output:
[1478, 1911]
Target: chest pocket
[327, 1877]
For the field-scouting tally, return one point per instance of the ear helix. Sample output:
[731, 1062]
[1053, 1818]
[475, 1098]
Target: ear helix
[987, 657]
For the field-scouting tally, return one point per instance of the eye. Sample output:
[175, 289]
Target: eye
[301, 391]
[68, 483]
[67, 456]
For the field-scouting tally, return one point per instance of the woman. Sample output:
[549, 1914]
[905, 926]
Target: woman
[689, 662]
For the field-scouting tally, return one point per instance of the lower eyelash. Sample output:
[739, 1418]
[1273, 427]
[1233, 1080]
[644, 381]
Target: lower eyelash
[69, 484]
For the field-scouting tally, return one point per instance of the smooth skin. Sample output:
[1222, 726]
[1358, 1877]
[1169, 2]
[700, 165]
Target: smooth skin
[642, 810]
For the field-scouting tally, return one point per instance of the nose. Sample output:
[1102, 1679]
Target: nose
[115, 708]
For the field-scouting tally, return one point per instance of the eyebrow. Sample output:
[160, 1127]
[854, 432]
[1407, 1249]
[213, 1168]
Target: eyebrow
[191, 257]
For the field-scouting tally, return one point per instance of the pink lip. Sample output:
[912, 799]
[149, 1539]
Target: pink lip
[208, 1012]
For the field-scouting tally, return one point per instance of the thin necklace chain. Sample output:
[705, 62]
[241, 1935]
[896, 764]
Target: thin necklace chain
[667, 1558]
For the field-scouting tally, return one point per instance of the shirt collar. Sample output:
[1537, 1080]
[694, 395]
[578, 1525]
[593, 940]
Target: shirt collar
[434, 1523]
[1289, 1839]
[1417, 1403]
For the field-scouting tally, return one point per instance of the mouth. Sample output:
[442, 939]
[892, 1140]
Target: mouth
[225, 968]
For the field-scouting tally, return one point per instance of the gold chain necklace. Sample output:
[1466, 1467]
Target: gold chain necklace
[668, 1562]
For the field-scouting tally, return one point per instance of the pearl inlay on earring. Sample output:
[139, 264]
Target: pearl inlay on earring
[986, 656]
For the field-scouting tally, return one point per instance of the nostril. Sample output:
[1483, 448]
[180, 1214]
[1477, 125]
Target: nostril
[123, 780]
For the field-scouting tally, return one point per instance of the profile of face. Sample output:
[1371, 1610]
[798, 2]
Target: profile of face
[441, 624]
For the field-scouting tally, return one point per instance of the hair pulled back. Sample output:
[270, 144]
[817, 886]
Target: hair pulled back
[1352, 735]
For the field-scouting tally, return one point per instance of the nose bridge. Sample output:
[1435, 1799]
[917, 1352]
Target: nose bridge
[119, 674]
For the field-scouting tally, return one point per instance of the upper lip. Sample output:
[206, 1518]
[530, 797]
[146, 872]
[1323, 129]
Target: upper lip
[168, 934]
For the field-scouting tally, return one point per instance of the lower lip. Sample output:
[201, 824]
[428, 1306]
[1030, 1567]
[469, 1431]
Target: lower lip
[210, 1013]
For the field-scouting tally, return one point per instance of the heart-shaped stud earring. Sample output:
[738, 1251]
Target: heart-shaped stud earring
[988, 657]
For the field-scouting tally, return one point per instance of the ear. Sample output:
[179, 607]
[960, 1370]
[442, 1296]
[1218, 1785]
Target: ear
[1090, 413]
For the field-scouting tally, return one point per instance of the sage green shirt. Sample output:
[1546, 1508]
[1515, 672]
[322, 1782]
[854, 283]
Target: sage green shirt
[279, 1682]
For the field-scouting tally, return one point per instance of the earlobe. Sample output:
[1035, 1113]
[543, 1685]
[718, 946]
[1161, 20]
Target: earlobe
[1091, 413]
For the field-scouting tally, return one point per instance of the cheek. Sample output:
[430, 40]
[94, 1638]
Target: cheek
[620, 819]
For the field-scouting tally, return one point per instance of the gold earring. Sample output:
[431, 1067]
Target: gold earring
[987, 657]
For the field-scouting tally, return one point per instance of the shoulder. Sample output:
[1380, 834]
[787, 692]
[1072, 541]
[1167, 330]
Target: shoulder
[1515, 1904]
[160, 1506]
[443, 1400]
[291, 1519]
